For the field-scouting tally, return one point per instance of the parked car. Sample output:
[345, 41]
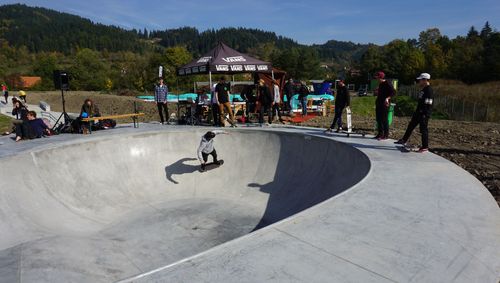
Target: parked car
[362, 92]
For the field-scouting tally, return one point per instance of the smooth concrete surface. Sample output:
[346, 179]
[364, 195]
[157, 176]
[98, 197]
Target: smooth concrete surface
[288, 205]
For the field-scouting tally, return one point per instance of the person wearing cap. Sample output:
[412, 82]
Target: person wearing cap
[222, 95]
[384, 94]
[265, 99]
[422, 113]
[206, 147]
[342, 100]
[276, 101]
[161, 95]
[22, 95]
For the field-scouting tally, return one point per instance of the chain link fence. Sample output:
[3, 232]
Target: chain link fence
[458, 108]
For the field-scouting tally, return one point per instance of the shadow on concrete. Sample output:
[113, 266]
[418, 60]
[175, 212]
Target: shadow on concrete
[306, 176]
[180, 168]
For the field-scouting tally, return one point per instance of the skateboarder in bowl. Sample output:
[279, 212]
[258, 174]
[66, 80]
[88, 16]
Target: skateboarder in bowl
[206, 147]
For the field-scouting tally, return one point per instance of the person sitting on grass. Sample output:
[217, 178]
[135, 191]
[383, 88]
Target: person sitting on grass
[206, 147]
[19, 110]
[32, 128]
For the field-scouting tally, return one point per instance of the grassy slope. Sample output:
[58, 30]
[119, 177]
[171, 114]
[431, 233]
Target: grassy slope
[5, 123]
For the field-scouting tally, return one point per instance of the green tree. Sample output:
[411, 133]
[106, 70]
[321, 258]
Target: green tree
[88, 71]
[44, 66]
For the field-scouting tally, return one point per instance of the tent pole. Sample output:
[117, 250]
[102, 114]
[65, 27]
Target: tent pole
[210, 80]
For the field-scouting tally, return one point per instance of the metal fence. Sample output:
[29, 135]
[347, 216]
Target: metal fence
[456, 108]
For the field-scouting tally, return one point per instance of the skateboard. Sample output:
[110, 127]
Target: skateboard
[349, 131]
[409, 148]
[212, 165]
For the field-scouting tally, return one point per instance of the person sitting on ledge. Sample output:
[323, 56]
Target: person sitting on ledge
[88, 110]
[32, 128]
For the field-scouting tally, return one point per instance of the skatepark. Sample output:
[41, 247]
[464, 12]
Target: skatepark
[288, 205]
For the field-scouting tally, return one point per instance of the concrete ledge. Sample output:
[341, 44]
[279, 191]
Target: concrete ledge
[413, 218]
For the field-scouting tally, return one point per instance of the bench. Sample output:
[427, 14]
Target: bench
[134, 117]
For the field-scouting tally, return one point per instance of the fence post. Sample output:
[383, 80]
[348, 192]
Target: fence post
[474, 112]
[463, 110]
[452, 108]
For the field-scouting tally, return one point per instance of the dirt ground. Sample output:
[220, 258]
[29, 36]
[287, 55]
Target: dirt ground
[107, 104]
[473, 146]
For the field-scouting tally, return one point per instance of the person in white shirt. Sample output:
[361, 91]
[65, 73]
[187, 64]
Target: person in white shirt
[277, 100]
[206, 147]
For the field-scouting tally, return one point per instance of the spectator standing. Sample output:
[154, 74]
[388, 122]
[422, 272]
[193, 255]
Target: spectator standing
[303, 93]
[342, 100]
[276, 101]
[422, 113]
[248, 96]
[289, 93]
[5, 93]
[214, 105]
[265, 99]
[222, 93]
[384, 94]
[161, 100]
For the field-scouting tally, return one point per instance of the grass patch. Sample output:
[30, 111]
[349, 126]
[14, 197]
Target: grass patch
[5, 123]
[363, 106]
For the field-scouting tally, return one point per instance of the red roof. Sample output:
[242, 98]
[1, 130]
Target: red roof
[30, 81]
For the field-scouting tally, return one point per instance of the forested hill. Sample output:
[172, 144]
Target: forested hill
[41, 29]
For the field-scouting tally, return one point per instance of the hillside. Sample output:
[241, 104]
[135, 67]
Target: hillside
[44, 30]
[41, 29]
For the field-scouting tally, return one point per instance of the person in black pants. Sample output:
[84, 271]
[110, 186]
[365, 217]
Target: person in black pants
[161, 99]
[247, 94]
[342, 100]
[265, 99]
[31, 128]
[289, 93]
[384, 94]
[422, 113]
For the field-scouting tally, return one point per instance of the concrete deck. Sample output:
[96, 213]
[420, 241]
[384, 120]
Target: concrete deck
[288, 205]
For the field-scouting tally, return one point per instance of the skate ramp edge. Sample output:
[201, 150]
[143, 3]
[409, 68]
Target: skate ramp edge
[114, 207]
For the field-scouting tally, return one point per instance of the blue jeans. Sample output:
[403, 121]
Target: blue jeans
[303, 102]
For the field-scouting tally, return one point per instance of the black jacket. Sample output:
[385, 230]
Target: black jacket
[21, 113]
[343, 98]
[265, 97]
[303, 92]
[425, 101]
[289, 89]
[385, 90]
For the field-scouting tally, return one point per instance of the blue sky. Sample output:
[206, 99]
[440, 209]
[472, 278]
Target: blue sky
[307, 22]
